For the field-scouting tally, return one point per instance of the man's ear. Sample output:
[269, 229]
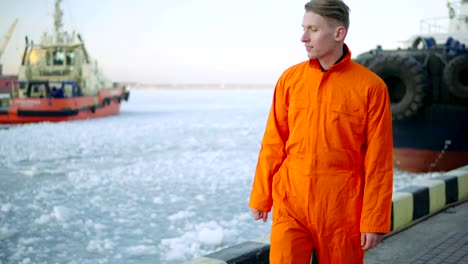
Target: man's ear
[340, 33]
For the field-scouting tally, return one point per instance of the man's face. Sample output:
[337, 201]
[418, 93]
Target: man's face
[319, 35]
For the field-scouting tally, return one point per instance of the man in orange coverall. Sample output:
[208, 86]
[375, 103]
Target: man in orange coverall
[325, 165]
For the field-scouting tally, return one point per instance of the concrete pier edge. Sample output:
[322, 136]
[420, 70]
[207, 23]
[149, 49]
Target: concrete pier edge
[410, 205]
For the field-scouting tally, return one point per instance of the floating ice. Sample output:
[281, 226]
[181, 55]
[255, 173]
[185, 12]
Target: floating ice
[26, 261]
[211, 235]
[141, 250]
[157, 200]
[177, 249]
[200, 197]
[61, 213]
[99, 246]
[181, 215]
[99, 227]
[6, 207]
[29, 173]
[6, 233]
[28, 241]
[43, 219]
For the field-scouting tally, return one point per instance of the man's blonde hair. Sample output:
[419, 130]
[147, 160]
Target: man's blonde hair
[335, 10]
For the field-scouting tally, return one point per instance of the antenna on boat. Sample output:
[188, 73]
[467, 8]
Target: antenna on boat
[23, 60]
[451, 10]
[84, 49]
[58, 22]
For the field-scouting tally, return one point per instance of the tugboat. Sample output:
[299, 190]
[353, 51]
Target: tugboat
[58, 81]
[428, 87]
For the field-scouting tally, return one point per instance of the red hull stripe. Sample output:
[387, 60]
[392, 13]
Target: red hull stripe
[415, 160]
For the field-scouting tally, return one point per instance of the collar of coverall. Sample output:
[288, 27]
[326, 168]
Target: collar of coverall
[344, 58]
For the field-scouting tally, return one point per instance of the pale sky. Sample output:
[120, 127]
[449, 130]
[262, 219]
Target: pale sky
[203, 41]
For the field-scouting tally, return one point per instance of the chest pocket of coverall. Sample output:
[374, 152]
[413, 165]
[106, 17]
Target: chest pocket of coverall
[297, 121]
[347, 125]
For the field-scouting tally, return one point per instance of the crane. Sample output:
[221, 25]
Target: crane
[7, 37]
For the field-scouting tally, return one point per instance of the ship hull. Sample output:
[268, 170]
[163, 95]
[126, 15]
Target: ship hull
[436, 140]
[34, 110]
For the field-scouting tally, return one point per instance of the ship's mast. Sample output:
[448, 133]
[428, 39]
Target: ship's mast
[58, 22]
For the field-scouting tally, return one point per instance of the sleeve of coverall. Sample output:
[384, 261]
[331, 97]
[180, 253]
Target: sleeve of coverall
[378, 164]
[272, 151]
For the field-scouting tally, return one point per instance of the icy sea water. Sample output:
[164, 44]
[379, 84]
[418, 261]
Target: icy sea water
[165, 181]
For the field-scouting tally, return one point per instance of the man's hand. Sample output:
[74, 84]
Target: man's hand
[370, 240]
[259, 214]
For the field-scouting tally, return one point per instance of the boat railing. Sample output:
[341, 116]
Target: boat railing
[434, 25]
[444, 25]
[454, 25]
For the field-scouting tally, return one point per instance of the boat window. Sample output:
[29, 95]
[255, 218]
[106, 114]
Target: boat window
[48, 58]
[34, 56]
[55, 85]
[69, 90]
[70, 57]
[59, 57]
[56, 90]
[39, 90]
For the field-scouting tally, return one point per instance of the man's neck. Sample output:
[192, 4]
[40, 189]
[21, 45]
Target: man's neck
[334, 58]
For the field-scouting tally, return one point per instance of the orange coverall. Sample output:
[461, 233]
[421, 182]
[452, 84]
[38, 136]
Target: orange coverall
[326, 162]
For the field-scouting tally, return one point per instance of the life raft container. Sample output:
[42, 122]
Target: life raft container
[406, 80]
[456, 76]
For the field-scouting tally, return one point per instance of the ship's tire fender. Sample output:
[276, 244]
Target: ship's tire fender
[407, 83]
[456, 76]
[365, 59]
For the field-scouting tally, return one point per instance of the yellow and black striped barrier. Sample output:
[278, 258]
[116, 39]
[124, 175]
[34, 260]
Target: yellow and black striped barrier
[428, 196]
[409, 204]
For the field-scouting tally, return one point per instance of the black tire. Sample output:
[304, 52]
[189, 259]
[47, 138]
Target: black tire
[365, 59]
[456, 76]
[407, 83]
